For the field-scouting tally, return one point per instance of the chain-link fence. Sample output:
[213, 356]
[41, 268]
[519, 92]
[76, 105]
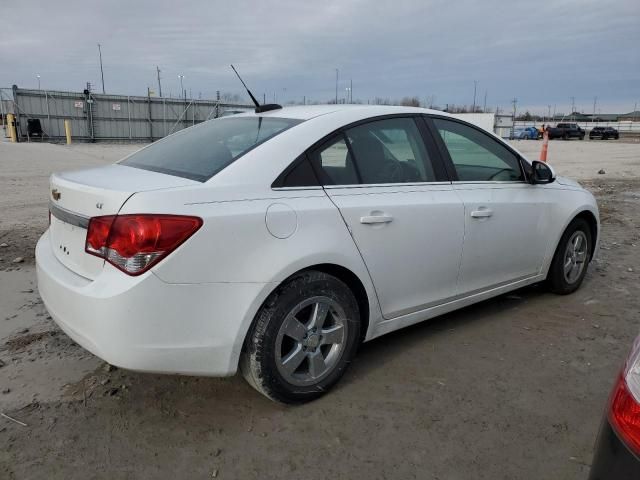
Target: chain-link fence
[40, 114]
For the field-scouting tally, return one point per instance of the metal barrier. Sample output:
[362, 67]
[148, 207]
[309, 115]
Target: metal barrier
[105, 117]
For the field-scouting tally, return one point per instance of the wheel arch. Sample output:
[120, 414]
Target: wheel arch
[587, 212]
[355, 285]
[346, 275]
[591, 220]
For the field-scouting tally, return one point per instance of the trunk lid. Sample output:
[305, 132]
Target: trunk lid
[77, 196]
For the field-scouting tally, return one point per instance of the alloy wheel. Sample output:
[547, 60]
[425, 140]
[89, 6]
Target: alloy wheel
[575, 256]
[311, 340]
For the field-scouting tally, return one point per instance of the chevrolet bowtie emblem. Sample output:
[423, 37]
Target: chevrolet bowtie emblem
[55, 194]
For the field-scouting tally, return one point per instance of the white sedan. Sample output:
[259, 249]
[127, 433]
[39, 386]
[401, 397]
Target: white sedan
[278, 241]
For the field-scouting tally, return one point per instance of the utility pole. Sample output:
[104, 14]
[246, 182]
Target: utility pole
[475, 86]
[484, 107]
[573, 107]
[101, 70]
[336, 86]
[513, 124]
[351, 91]
[183, 93]
[159, 84]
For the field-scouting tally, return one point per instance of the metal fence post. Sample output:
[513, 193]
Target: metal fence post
[16, 109]
[150, 121]
[129, 115]
[4, 116]
[49, 126]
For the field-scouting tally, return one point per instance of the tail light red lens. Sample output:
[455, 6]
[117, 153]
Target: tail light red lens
[624, 408]
[134, 243]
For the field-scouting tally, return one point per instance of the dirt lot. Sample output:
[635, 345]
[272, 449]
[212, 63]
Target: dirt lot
[512, 388]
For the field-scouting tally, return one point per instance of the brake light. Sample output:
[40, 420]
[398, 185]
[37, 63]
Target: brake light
[624, 408]
[134, 243]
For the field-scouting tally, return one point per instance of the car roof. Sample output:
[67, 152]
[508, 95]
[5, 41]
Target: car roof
[307, 112]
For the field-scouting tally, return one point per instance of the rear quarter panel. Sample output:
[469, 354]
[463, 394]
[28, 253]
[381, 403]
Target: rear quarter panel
[234, 244]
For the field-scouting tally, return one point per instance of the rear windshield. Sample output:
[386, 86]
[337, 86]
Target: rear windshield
[199, 152]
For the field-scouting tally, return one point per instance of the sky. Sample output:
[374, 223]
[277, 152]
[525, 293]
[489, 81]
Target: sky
[539, 52]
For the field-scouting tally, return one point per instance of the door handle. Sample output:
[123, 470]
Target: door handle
[483, 213]
[374, 219]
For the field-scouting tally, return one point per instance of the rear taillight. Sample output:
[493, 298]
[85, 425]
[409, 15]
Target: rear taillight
[624, 409]
[134, 243]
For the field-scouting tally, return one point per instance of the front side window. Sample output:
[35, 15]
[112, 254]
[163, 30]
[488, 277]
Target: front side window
[199, 152]
[390, 151]
[476, 156]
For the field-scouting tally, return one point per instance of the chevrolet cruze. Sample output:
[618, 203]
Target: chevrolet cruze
[277, 241]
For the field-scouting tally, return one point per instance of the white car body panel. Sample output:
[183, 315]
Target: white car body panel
[425, 219]
[509, 244]
[190, 313]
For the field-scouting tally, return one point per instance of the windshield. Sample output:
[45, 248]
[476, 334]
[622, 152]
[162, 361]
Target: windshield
[199, 152]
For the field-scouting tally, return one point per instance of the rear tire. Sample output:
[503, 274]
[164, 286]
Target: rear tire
[571, 259]
[302, 339]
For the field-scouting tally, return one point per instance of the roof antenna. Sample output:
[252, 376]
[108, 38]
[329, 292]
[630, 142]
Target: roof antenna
[259, 108]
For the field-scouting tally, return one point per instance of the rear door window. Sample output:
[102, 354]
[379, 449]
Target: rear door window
[390, 151]
[199, 152]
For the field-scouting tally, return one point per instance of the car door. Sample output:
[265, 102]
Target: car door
[400, 208]
[505, 217]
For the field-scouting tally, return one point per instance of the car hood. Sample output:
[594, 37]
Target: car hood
[568, 182]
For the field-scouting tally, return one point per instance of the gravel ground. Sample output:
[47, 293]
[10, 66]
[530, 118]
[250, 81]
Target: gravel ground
[510, 388]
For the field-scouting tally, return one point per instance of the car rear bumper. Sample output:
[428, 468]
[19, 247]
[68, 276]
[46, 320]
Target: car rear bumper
[143, 323]
[612, 459]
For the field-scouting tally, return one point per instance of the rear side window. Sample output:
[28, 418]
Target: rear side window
[334, 163]
[377, 152]
[199, 152]
[476, 156]
[390, 151]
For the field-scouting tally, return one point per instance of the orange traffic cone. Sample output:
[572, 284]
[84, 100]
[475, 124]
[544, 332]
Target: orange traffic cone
[545, 146]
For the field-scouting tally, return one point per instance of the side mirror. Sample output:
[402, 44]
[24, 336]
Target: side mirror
[541, 173]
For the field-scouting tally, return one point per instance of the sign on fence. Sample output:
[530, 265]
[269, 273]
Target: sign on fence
[115, 106]
[78, 104]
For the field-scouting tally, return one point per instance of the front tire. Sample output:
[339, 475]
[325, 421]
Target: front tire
[302, 339]
[571, 259]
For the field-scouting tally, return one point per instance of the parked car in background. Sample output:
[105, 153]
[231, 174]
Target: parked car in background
[526, 133]
[277, 241]
[604, 133]
[617, 451]
[566, 131]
